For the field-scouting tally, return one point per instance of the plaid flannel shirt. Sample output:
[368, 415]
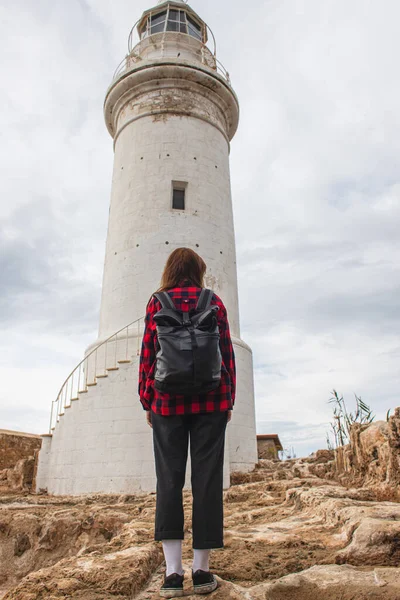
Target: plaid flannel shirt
[222, 398]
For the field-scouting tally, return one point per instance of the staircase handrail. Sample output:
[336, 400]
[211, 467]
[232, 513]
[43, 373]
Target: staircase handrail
[85, 359]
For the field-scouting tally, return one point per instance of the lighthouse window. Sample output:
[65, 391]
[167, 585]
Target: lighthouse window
[158, 22]
[178, 198]
[194, 28]
[171, 20]
[177, 21]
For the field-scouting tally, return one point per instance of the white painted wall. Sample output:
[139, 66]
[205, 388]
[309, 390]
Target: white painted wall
[103, 443]
[242, 434]
[144, 228]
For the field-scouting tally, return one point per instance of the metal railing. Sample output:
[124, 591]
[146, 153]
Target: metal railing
[104, 358]
[157, 41]
[134, 34]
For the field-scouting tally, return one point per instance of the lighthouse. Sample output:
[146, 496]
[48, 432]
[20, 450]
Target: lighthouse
[172, 113]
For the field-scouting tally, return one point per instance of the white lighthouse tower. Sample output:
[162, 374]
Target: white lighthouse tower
[172, 113]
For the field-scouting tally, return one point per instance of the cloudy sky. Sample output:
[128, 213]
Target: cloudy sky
[316, 189]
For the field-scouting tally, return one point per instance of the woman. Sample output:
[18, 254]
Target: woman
[173, 419]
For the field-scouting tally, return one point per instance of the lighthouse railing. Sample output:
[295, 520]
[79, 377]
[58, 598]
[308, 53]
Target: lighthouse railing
[157, 42]
[98, 363]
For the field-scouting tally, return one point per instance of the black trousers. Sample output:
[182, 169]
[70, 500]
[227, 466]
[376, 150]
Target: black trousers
[207, 444]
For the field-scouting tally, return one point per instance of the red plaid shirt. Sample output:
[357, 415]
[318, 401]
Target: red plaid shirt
[222, 398]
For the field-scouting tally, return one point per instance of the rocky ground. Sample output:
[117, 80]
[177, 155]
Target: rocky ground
[291, 532]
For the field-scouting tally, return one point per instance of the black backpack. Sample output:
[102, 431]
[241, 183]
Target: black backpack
[188, 359]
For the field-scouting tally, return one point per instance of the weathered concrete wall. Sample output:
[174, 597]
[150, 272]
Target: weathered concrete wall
[143, 227]
[103, 443]
[15, 445]
[242, 429]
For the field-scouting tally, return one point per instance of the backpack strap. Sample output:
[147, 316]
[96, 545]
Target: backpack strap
[165, 299]
[204, 299]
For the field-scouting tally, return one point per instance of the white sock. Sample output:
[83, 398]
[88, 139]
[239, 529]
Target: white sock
[200, 560]
[173, 556]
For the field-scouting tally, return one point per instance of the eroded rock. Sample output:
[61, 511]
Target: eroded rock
[291, 531]
[330, 582]
[118, 574]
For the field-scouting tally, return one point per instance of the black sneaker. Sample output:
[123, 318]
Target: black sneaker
[204, 582]
[172, 586]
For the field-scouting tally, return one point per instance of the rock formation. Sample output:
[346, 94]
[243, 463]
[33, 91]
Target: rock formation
[371, 459]
[293, 530]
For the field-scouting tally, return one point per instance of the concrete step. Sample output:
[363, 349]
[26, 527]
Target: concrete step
[93, 384]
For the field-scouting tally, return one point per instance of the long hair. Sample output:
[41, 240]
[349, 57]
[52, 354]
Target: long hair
[183, 264]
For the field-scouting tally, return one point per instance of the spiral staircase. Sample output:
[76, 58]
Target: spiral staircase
[105, 358]
[98, 440]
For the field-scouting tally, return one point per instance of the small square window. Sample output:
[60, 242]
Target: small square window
[178, 198]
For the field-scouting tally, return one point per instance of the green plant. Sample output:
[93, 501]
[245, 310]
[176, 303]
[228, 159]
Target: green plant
[343, 420]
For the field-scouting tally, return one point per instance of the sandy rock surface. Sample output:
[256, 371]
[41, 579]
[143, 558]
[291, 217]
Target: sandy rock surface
[288, 534]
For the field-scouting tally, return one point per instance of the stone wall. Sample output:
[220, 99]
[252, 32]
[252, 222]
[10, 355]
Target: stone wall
[267, 449]
[18, 459]
[15, 445]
